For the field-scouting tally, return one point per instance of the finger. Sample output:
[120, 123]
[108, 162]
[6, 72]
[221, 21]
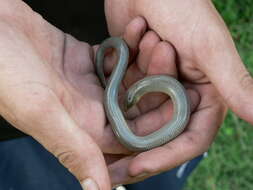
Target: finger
[132, 36]
[147, 45]
[163, 60]
[58, 133]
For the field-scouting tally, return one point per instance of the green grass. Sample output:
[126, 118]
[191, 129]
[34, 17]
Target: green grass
[229, 165]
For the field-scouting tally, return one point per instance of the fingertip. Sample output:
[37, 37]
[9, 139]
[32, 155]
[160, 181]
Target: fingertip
[134, 169]
[134, 32]
[140, 24]
[149, 40]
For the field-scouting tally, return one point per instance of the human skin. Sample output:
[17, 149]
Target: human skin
[50, 91]
[207, 61]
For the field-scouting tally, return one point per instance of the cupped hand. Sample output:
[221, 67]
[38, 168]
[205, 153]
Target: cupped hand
[49, 90]
[206, 61]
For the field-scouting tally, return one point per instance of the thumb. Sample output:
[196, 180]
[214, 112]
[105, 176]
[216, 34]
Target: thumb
[227, 72]
[45, 119]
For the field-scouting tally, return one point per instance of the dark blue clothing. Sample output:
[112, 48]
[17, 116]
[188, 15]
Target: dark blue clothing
[26, 165]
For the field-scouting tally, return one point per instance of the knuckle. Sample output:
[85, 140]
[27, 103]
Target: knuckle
[69, 159]
[72, 161]
[150, 169]
[78, 164]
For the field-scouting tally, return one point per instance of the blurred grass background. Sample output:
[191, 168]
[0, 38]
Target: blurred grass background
[229, 165]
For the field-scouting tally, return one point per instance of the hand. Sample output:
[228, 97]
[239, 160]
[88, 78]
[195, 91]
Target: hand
[207, 61]
[50, 91]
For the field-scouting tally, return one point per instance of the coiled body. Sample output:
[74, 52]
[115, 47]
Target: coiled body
[155, 83]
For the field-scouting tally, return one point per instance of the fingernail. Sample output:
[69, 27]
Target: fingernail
[142, 175]
[120, 188]
[89, 184]
[116, 186]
